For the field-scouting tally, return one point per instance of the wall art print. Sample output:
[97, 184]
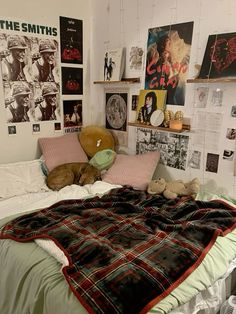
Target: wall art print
[116, 111]
[220, 58]
[167, 60]
[71, 33]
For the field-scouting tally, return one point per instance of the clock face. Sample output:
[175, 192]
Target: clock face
[157, 117]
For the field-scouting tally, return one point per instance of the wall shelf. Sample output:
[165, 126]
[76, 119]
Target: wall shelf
[212, 80]
[131, 80]
[186, 127]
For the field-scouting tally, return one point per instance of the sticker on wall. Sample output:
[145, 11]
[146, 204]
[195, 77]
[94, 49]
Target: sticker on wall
[57, 126]
[195, 159]
[71, 33]
[167, 60]
[200, 97]
[217, 97]
[36, 128]
[231, 134]
[212, 162]
[72, 81]
[233, 112]
[11, 130]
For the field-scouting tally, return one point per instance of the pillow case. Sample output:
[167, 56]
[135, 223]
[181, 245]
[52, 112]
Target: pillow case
[104, 159]
[21, 177]
[134, 170]
[61, 150]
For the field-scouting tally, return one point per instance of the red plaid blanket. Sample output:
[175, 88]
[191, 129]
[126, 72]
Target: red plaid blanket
[127, 250]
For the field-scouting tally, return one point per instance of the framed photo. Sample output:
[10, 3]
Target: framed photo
[148, 102]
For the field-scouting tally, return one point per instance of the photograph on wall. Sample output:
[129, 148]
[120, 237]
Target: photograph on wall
[233, 112]
[217, 97]
[173, 147]
[212, 162]
[116, 111]
[219, 58]
[148, 102]
[71, 34]
[228, 154]
[28, 64]
[72, 81]
[167, 60]
[195, 159]
[35, 128]
[73, 118]
[134, 102]
[200, 97]
[11, 130]
[231, 134]
[136, 55]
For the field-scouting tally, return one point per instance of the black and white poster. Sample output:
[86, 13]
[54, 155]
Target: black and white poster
[31, 80]
[173, 147]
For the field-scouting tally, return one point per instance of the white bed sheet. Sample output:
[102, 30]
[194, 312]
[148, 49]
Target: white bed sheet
[205, 299]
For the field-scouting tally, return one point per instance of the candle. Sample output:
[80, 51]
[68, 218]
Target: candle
[176, 124]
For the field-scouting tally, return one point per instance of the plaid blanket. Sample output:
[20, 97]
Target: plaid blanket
[127, 250]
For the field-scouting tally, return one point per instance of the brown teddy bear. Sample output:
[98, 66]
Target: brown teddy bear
[174, 188]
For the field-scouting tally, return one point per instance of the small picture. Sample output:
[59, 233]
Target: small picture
[57, 126]
[228, 154]
[233, 111]
[36, 128]
[148, 102]
[195, 159]
[11, 130]
[72, 113]
[231, 134]
[217, 97]
[136, 58]
[72, 81]
[212, 162]
[134, 102]
[201, 95]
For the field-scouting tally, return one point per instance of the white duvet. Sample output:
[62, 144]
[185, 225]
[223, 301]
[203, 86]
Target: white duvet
[208, 300]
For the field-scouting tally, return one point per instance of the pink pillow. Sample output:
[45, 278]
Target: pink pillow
[134, 170]
[62, 149]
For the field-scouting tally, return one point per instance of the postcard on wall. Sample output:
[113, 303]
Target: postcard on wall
[201, 95]
[148, 102]
[116, 111]
[167, 60]
[71, 34]
[219, 60]
[72, 81]
[113, 64]
[217, 97]
[136, 58]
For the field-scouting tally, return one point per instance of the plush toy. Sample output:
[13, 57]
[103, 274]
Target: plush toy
[95, 138]
[174, 188]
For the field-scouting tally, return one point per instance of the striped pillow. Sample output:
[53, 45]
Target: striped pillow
[134, 170]
[61, 150]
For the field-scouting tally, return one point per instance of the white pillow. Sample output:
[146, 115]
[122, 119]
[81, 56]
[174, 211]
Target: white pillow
[21, 177]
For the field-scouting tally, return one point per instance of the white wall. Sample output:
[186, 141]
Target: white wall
[126, 23]
[24, 146]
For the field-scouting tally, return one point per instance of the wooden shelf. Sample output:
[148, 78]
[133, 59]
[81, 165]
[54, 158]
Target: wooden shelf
[185, 128]
[131, 80]
[212, 80]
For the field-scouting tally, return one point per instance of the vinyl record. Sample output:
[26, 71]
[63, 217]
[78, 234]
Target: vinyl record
[157, 117]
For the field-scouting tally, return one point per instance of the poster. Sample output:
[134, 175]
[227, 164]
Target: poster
[72, 81]
[219, 59]
[71, 33]
[30, 74]
[116, 111]
[173, 147]
[73, 117]
[167, 60]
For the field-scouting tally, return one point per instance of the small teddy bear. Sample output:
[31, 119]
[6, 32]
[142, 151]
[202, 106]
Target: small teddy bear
[171, 190]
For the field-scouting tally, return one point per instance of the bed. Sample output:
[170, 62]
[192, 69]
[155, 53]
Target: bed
[33, 269]
[123, 236]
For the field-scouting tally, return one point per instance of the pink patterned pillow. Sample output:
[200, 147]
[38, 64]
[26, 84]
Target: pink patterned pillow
[62, 149]
[134, 170]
